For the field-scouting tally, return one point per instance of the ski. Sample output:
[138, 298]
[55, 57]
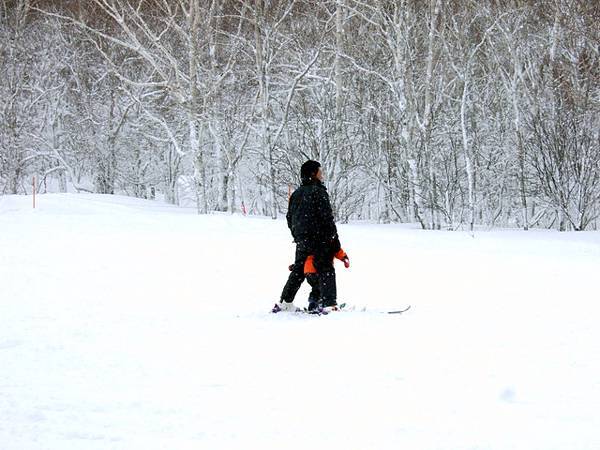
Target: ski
[345, 307]
[399, 311]
[314, 312]
[342, 307]
[318, 312]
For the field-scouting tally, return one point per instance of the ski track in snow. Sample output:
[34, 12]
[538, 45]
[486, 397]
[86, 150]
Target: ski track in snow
[129, 324]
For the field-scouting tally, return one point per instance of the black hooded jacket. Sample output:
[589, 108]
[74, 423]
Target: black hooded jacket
[309, 215]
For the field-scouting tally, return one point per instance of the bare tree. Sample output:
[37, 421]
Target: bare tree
[277, 78]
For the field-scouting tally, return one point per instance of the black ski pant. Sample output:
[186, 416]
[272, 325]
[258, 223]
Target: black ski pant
[323, 283]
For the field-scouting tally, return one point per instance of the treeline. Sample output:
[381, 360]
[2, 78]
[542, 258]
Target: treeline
[447, 113]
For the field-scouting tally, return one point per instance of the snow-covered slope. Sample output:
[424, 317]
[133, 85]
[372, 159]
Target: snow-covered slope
[128, 324]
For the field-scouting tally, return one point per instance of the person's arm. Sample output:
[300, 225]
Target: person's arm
[328, 228]
[291, 206]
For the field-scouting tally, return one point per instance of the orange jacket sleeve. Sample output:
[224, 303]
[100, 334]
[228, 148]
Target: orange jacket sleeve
[341, 254]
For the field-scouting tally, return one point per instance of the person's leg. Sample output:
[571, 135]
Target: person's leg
[315, 294]
[324, 265]
[296, 276]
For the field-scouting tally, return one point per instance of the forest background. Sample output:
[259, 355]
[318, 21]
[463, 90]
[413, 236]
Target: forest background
[446, 113]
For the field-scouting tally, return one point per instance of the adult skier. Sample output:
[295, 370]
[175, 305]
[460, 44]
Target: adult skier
[310, 219]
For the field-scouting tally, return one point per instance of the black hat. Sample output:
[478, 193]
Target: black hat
[309, 169]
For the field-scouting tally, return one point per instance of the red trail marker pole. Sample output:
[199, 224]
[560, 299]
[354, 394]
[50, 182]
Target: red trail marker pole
[33, 184]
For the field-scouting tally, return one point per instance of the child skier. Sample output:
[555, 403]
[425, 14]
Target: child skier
[310, 272]
[311, 276]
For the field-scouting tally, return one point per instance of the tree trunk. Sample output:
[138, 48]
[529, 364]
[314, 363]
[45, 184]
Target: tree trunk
[519, 141]
[427, 115]
[194, 112]
[467, 153]
[264, 97]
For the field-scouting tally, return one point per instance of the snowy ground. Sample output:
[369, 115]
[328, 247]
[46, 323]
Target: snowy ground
[127, 324]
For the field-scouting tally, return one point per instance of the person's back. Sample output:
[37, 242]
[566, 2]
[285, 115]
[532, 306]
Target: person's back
[309, 215]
